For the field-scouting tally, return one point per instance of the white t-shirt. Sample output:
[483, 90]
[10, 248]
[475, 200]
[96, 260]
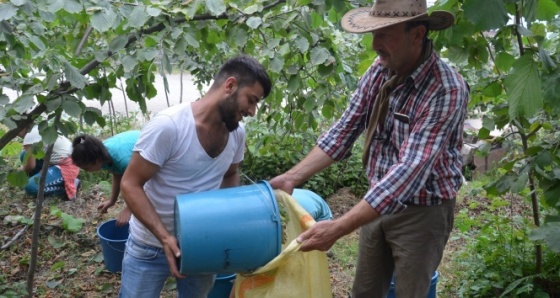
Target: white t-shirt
[62, 146]
[170, 141]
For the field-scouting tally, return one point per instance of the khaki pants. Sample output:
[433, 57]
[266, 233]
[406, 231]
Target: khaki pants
[410, 244]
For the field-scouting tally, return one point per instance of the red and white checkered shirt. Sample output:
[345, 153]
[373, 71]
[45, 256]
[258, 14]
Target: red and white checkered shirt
[416, 155]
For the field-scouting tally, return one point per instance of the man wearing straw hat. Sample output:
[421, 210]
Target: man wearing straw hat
[411, 106]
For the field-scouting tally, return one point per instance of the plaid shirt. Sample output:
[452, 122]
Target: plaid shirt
[416, 152]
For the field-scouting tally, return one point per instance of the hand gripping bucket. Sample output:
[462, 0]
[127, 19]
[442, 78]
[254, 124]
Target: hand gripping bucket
[222, 285]
[235, 229]
[113, 240]
[431, 293]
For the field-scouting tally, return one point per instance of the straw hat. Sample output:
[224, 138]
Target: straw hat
[385, 13]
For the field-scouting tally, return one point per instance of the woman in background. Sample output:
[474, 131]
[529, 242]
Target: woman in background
[90, 154]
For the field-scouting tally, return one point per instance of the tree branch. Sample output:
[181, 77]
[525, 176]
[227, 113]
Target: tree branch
[83, 41]
[27, 118]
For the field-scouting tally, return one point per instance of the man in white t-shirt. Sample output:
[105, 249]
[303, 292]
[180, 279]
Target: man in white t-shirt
[190, 147]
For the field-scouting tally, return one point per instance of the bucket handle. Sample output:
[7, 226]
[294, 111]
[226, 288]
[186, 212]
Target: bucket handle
[109, 243]
[258, 186]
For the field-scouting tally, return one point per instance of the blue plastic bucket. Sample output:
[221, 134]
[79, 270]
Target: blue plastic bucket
[113, 240]
[431, 293]
[235, 229]
[222, 286]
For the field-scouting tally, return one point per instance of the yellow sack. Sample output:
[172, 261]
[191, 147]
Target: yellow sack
[292, 273]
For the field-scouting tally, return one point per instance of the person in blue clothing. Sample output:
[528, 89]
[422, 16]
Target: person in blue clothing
[90, 154]
[314, 204]
[61, 176]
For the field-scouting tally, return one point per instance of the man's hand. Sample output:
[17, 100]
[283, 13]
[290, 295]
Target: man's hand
[321, 236]
[282, 182]
[172, 252]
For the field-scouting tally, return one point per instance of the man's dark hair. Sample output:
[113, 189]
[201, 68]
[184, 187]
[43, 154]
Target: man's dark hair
[247, 71]
[87, 149]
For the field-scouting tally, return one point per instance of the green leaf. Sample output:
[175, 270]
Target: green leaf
[504, 61]
[38, 43]
[7, 11]
[552, 195]
[191, 39]
[11, 149]
[49, 134]
[253, 8]
[24, 103]
[98, 258]
[118, 43]
[240, 37]
[138, 17]
[89, 117]
[55, 5]
[254, 22]
[277, 64]
[149, 53]
[72, 108]
[546, 10]
[55, 244]
[166, 63]
[53, 283]
[74, 76]
[302, 44]
[103, 20]
[107, 287]
[551, 83]
[486, 14]
[18, 2]
[129, 63]
[58, 265]
[524, 88]
[73, 6]
[327, 111]
[549, 233]
[216, 7]
[294, 83]
[53, 104]
[547, 61]
[4, 99]
[319, 55]
[153, 11]
[317, 20]
[18, 178]
[494, 89]
[71, 223]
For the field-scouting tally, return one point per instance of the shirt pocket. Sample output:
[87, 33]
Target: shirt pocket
[400, 133]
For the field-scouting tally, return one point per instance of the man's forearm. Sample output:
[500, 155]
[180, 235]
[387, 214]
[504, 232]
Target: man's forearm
[144, 211]
[316, 161]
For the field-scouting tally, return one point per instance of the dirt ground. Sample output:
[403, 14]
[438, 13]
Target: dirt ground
[71, 265]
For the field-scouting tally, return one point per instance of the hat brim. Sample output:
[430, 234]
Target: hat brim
[359, 20]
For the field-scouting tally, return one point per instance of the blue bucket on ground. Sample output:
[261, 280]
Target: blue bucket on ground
[113, 240]
[235, 229]
[222, 285]
[431, 293]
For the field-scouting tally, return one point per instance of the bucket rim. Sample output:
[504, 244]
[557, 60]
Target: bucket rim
[276, 212]
[109, 222]
[225, 276]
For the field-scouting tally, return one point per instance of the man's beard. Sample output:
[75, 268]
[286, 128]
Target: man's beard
[229, 108]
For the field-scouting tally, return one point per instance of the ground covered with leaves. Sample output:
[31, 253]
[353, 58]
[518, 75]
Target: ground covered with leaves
[70, 264]
[70, 260]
